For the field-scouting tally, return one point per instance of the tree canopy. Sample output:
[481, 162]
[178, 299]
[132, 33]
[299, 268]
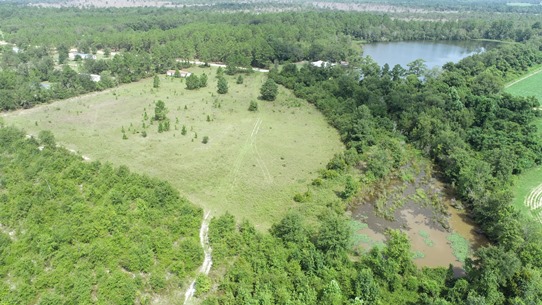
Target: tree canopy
[72, 231]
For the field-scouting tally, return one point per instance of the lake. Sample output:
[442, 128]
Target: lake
[435, 53]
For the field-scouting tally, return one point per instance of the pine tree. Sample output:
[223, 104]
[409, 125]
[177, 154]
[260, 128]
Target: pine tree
[253, 106]
[219, 72]
[222, 86]
[156, 82]
[160, 111]
[269, 90]
[192, 82]
[203, 80]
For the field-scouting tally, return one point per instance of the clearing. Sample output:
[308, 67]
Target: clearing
[252, 165]
[528, 186]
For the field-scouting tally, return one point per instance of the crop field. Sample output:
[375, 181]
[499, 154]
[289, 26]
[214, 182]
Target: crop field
[527, 86]
[252, 165]
[528, 187]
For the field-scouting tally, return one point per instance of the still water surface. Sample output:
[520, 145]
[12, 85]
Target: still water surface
[435, 53]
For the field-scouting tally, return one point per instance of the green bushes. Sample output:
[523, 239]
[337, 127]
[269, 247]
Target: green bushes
[194, 82]
[88, 227]
[269, 90]
[253, 106]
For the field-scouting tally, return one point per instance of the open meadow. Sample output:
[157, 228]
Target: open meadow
[252, 165]
[528, 187]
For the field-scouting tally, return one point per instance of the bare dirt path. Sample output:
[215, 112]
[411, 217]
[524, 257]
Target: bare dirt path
[207, 261]
[224, 66]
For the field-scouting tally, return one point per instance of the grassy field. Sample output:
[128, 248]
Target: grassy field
[525, 184]
[529, 180]
[528, 86]
[252, 165]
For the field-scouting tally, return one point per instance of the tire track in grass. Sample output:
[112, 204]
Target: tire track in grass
[241, 156]
[534, 202]
[261, 163]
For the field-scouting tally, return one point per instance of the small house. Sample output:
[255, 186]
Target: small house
[95, 77]
[73, 55]
[182, 73]
[322, 64]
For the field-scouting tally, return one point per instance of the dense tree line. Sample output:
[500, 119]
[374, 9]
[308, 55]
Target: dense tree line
[32, 77]
[477, 135]
[74, 222]
[217, 36]
[152, 40]
[81, 233]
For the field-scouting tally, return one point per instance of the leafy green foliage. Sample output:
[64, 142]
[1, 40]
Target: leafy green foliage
[194, 82]
[351, 188]
[308, 266]
[222, 86]
[160, 111]
[47, 138]
[203, 80]
[269, 90]
[471, 141]
[253, 106]
[88, 228]
[203, 284]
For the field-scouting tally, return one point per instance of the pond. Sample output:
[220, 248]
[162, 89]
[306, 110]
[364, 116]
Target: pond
[435, 53]
[420, 205]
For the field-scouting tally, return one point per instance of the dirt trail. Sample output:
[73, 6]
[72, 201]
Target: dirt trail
[196, 62]
[207, 261]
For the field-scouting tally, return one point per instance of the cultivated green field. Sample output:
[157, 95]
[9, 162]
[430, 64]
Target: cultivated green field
[252, 165]
[528, 85]
[527, 182]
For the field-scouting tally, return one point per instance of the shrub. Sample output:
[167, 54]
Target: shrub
[253, 106]
[222, 86]
[46, 137]
[269, 90]
[203, 284]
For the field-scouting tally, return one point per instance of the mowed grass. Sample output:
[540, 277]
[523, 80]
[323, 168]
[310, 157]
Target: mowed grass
[530, 86]
[525, 184]
[527, 181]
[252, 165]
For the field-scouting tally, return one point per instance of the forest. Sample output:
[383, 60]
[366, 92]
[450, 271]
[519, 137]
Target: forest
[150, 42]
[74, 232]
